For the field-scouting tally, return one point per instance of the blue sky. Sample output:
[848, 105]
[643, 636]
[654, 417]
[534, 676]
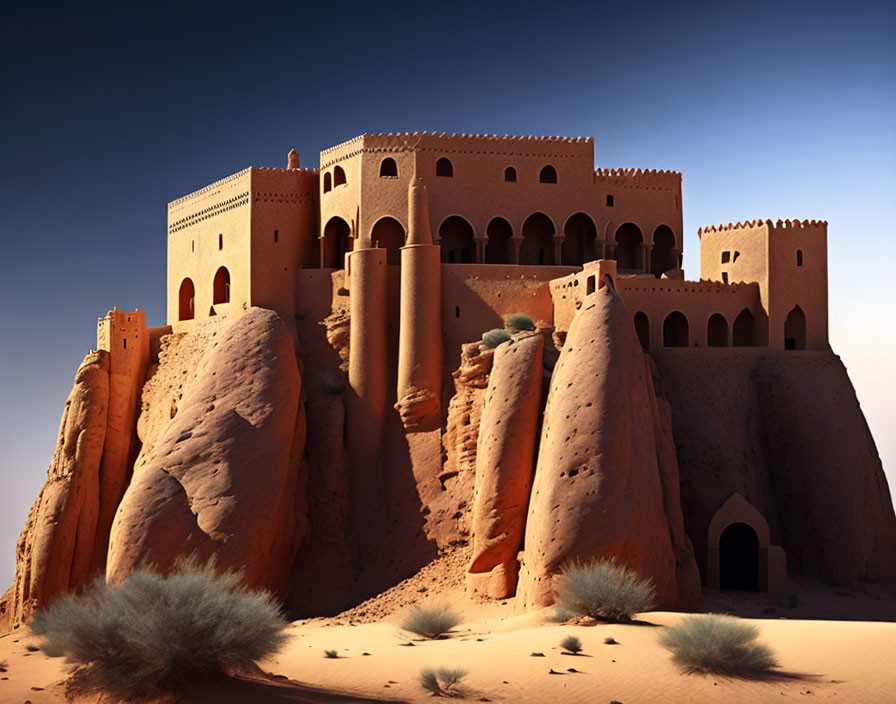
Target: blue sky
[770, 109]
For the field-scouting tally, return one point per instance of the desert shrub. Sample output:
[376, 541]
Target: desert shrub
[493, 338]
[571, 644]
[604, 590]
[430, 621]
[559, 615]
[331, 654]
[441, 680]
[152, 634]
[520, 321]
[713, 643]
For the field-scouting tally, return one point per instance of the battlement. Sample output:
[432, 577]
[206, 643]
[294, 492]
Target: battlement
[120, 331]
[210, 187]
[639, 178]
[776, 225]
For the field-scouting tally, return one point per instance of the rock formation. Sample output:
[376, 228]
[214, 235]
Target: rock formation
[598, 491]
[55, 549]
[221, 479]
[504, 462]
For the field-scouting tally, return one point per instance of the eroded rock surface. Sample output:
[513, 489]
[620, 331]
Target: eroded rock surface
[221, 479]
[597, 491]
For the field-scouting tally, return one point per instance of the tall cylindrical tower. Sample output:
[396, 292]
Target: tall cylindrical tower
[420, 333]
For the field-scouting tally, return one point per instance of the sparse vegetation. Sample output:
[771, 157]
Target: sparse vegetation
[442, 680]
[713, 643]
[603, 590]
[571, 644]
[494, 337]
[430, 621]
[559, 615]
[154, 634]
[609, 640]
[331, 654]
[520, 321]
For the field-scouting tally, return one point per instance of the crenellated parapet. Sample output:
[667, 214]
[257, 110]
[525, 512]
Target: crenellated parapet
[759, 222]
[639, 178]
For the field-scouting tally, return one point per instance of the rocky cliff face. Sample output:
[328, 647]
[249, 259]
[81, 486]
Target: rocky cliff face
[598, 490]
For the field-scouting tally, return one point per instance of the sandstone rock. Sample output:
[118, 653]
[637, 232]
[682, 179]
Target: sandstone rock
[222, 479]
[505, 457]
[597, 490]
[54, 551]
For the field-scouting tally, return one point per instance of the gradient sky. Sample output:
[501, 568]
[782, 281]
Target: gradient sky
[770, 109]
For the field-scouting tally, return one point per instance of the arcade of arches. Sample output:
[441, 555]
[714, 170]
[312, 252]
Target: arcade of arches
[336, 242]
[537, 246]
[456, 238]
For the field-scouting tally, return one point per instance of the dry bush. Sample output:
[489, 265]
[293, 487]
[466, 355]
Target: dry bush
[441, 680]
[430, 621]
[603, 590]
[153, 634]
[713, 643]
[571, 644]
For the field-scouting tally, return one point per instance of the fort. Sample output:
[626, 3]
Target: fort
[320, 399]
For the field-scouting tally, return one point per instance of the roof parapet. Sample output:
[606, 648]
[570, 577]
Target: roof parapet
[759, 222]
[654, 178]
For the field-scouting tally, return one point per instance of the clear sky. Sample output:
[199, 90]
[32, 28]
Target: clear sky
[770, 109]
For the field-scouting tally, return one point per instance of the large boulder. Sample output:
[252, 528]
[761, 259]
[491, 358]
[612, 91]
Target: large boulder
[504, 464]
[222, 479]
[55, 549]
[598, 490]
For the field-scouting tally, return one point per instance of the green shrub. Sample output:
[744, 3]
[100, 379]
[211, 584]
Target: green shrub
[331, 654]
[520, 321]
[155, 634]
[441, 680]
[713, 643]
[493, 338]
[572, 644]
[603, 590]
[430, 621]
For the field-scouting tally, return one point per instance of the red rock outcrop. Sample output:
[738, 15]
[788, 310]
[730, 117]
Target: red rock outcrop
[222, 479]
[55, 549]
[598, 490]
[505, 457]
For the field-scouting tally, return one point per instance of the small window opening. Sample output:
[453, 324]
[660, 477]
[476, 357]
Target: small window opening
[192, 245]
[220, 241]
[456, 311]
[328, 182]
[590, 285]
[276, 235]
[609, 201]
[725, 277]
[388, 168]
[548, 175]
[338, 176]
[799, 257]
[125, 341]
[510, 174]
[736, 255]
[444, 168]
[726, 257]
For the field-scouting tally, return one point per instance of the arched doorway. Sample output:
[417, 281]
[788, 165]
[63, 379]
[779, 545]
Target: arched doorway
[642, 327]
[675, 330]
[795, 330]
[739, 558]
[221, 286]
[499, 248]
[537, 246]
[717, 331]
[742, 332]
[337, 241]
[186, 300]
[389, 233]
[456, 240]
[661, 255]
[628, 247]
[580, 234]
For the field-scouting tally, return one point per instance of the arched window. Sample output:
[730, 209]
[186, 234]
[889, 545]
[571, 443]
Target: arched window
[389, 234]
[537, 246]
[337, 241]
[675, 330]
[717, 331]
[444, 168]
[548, 175]
[628, 247]
[499, 248]
[742, 331]
[642, 327]
[510, 174]
[456, 239]
[795, 330]
[388, 168]
[186, 300]
[579, 237]
[221, 286]
[661, 257]
[328, 182]
[338, 176]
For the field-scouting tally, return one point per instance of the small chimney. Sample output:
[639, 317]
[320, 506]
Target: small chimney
[292, 159]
